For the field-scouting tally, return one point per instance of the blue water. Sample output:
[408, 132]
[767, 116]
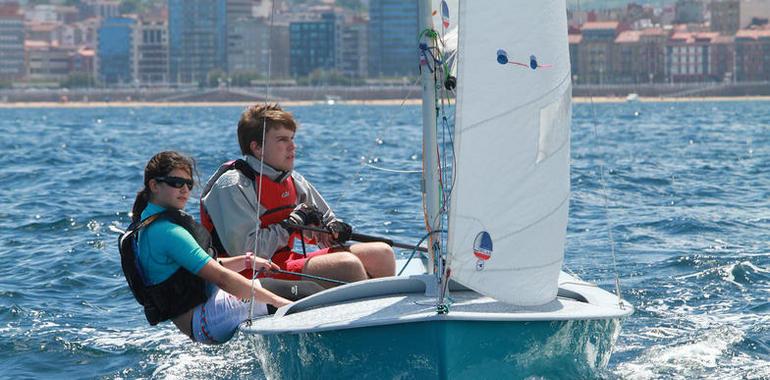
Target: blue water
[686, 190]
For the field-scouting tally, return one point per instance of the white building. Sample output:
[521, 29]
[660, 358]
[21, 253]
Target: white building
[11, 42]
[150, 51]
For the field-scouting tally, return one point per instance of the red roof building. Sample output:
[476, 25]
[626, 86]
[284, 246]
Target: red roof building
[752, 55]
[47, 61]
[593, 63]
[639, 56]
[688, 57]
[82, 60]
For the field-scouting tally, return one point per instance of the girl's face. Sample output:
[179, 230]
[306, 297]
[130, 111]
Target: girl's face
[172, 190]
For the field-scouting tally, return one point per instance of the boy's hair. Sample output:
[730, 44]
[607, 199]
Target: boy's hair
[254, 118]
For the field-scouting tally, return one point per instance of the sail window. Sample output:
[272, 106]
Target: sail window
[554, 127]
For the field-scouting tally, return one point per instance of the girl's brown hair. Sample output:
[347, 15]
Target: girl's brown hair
[159, 165]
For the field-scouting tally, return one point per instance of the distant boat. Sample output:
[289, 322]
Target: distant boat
[632, 97]
[493, 302]
[332, 99]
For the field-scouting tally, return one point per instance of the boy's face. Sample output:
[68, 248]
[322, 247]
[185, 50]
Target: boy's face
[278, 150]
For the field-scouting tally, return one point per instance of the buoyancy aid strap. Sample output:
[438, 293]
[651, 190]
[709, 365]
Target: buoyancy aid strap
[245, 169]
[249, 172]
[135, 227]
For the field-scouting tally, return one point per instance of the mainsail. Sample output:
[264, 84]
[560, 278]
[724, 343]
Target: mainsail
[510, 200]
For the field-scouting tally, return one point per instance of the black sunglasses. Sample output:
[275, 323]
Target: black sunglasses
[176, 182]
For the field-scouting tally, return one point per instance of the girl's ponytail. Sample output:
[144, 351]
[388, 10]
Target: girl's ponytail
[140, 203]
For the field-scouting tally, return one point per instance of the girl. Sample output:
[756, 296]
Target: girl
[174, 277]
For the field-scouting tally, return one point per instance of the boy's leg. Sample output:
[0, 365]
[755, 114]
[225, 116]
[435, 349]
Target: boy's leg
[291, 290]
[378, 258]
[341, 266]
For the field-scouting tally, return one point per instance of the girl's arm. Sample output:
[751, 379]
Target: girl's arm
[245, 261]
[238, 285]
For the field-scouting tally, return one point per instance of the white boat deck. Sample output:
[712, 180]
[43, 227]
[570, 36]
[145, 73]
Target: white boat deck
[399, 300]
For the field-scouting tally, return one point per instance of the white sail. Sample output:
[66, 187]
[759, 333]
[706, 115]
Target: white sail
[447, 27]
[509, 204]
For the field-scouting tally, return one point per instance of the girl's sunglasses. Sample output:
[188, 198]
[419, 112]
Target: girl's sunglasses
[176, 182]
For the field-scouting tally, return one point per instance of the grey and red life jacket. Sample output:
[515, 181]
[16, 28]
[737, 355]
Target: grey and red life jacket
[278, 198]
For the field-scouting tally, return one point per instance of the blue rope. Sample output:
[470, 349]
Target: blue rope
[415, 249]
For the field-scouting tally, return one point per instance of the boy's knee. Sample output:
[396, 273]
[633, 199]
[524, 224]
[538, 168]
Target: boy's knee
[344, 266]
[382, 248]
[380, 260]
[349, 263]
[384, 254]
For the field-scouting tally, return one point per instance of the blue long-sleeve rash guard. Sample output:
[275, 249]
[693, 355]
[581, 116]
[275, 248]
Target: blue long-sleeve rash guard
[165, 246]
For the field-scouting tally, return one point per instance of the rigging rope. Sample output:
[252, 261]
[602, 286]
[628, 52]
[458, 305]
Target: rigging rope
[257, 227]
[443, 84]
[414, 250]
[388, 122]
[384, 125]
[605, 196]
[393, 170]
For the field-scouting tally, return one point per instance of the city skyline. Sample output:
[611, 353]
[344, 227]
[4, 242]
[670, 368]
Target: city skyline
[235, 42]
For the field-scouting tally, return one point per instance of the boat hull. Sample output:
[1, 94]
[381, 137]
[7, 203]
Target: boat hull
[443, 349]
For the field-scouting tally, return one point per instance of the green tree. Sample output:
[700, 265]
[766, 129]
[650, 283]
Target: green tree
[320, 77]
[215, 77]
[78, 80]
[244, 78]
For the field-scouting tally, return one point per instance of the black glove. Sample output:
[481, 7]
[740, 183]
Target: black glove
[342, 229]
[305, 215]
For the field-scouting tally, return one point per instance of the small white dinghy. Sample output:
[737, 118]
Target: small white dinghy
[494, 301]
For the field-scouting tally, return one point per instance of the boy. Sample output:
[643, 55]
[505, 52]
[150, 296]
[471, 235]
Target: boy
[230, 200]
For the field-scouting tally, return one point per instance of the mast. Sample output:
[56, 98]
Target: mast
[430, 167]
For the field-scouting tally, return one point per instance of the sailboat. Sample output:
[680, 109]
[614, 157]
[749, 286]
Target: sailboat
[491, 299]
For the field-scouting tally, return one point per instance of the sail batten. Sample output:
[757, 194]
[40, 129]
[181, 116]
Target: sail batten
[509, 204]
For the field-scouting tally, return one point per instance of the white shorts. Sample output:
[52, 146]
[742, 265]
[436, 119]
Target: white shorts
[216, 320]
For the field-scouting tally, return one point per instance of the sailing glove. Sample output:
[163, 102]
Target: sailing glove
[341, 229]
[305, 215]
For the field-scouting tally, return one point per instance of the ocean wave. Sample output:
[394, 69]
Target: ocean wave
[712, 352]
[740, 274]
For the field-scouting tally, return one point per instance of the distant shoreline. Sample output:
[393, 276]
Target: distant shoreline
[373, 95]
[380, 102]
[664, 99]
[294, 103]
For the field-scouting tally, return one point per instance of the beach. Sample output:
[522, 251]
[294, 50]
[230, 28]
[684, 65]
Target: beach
[371, 102]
